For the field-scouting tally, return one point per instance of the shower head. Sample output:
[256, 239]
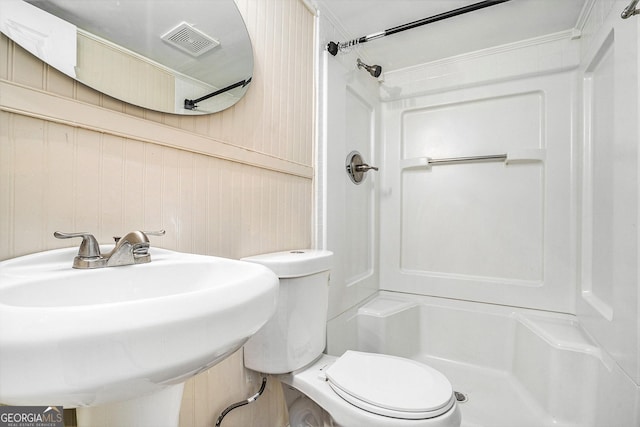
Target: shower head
[374, 70]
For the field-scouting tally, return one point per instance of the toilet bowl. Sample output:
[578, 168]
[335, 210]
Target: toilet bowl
[355, 389]
[382, 397]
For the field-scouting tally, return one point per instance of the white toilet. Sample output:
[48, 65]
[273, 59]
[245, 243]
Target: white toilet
[355, 389]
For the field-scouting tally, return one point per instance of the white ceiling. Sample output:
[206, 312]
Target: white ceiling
[496, 25]
[503, 23]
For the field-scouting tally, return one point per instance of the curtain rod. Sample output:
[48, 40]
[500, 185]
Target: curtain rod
[334, 47]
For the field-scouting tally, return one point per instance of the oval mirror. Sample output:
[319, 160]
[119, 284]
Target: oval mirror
[174, 56]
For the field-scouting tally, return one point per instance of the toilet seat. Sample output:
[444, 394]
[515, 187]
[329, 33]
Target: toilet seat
[390, 386]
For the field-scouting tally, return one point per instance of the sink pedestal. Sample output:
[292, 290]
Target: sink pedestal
[160, 409]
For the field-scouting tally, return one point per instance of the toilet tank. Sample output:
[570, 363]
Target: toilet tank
[296, 334]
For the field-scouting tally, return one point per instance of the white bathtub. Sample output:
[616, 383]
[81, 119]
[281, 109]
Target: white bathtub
[517, 367]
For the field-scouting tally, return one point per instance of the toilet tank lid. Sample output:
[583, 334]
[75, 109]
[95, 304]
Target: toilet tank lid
[296, 263]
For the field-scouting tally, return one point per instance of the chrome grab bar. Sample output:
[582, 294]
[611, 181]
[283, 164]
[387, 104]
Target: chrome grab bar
[470, 159]
[514, 156]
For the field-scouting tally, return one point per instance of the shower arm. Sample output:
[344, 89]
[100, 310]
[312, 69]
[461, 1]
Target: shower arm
[630, 10]
[334, 47]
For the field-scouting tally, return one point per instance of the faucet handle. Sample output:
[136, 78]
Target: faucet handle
[147, 233]
[155, 233]
[89, 247]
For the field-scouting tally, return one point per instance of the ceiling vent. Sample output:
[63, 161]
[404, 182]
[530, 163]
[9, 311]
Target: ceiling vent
[188, 39]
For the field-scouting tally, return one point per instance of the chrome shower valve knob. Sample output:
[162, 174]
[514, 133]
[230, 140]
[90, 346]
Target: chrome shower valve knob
[357, 168]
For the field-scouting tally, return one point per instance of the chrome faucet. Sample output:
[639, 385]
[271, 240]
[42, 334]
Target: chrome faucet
[133, 248]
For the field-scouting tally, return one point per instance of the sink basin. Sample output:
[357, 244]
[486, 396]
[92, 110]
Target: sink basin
[90, 337]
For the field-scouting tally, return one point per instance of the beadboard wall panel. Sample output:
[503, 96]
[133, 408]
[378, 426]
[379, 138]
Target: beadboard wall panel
[59, 177]
[125, 172]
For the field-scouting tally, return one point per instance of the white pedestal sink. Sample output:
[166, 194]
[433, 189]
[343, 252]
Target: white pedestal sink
[119, 342]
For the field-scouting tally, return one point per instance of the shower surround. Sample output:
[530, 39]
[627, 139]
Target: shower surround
[518, 279]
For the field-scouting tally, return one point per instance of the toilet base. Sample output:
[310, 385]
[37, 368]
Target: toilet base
[304, 412]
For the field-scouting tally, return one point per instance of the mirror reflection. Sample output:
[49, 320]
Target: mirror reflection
[175, 56]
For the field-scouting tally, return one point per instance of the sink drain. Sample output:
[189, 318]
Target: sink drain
[460, 397]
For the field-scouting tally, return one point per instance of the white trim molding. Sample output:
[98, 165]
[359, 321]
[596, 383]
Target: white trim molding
[31, 102]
